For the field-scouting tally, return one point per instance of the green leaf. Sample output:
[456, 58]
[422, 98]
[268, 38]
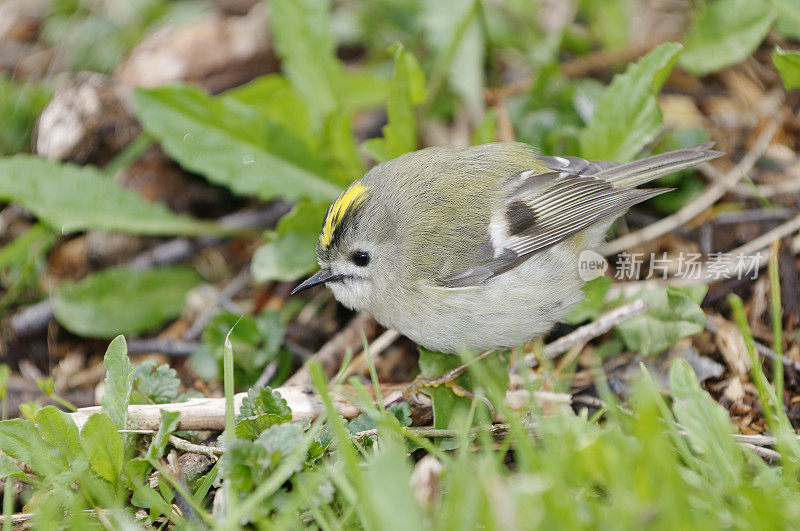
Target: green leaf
[123, 301]
[449, 408]
[673, 314]
[245, 464]
[20, 105]
[407, 89]
[58, 428]
[150, 499]
[37, 239]
[9, 468]
[154, 384]
[788, 19]
[290, 253]
[20, 439]
[303, 40]
[231, 144]
[169, 423]
[136, 471]
[261, 408]
[627, 116]
[119, 378]
[281, 439]
[274, 99]
[454, 31]
[74, 198]
[788, 65]
[706, 422]
[725, 33]
[256, 342]
[102, 445]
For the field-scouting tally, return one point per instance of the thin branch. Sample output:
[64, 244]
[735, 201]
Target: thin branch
[595, 329]
[186, 446]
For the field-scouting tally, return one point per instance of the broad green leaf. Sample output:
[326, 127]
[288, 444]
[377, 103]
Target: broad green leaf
[453, 30]
[123, 301]
[725, 33]
[788, 19]
[119, 378]
[449, 408]
[290, 251]
[627, 116]
[788, 65]
[673, 314]
[233, 145]
[58, 428]
[169, 423]
[102, 445]
[303, 40]
[20, 439]
[407, 89]
[9, 468]
[274, 99]
[281, 439]
[73, 198]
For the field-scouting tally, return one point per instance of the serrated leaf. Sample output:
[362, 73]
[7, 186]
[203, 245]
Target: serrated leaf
[291, 251]
[73, 198]
[673, 314]
[627, 116]
[725, 33]
[232, 145]
[788, 19]
[261, 408]
[281, 439]
[102, 445]
[169, 423]
[119, 300]
[58, 428]
[363, 422]
[788, 65]
[118, 382]
[136, 471]
[244, 464]
[154, 384]
[405, 91]
[264, 400]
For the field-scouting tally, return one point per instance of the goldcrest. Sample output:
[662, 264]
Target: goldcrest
[477, 247]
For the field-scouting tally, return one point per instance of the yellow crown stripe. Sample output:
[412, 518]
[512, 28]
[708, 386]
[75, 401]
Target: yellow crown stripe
[347, 201]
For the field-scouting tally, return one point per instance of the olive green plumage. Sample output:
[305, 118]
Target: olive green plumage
[477, 247]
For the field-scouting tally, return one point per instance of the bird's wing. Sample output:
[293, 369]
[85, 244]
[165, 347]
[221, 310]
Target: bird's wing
[543, 209]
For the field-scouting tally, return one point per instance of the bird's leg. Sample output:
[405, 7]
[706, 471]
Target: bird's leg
[448, 378]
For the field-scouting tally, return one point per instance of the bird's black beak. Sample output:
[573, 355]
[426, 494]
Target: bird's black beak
[320, 277]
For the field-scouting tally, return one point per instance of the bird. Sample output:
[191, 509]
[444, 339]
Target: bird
[476, 248]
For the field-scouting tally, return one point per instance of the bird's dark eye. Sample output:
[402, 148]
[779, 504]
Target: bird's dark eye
[360, 258]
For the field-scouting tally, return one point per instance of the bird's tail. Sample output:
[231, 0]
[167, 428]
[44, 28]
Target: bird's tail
[632, 174]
